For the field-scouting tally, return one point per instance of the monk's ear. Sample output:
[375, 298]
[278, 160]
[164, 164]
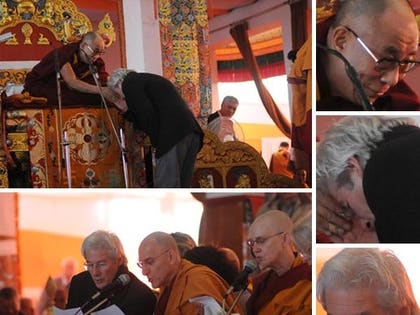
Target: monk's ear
[338, 38]
[172, 256]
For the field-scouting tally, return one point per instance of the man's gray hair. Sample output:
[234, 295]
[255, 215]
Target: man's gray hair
[230, 99]
[371, 268]
[104, 240]
[117, 77]
[89, 37]
[353, 136]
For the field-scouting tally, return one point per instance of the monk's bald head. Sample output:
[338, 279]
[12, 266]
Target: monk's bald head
[160, 240]
[356, 11]
[274, 220]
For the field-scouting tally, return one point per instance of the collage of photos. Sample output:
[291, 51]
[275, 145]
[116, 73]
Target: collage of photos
[367, 177]
[209, 157]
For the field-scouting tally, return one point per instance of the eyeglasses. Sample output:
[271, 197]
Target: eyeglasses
[95, 52]
[304, 253]
[151, 260]
[99, 265]
[260, 240]
[387, 64]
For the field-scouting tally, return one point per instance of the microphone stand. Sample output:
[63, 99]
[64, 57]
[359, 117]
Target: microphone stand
[92, 309]
[352, 74]
[235, 301]
[65, 152]
[104, 104]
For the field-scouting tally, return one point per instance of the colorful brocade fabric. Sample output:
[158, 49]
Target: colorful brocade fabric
[184, 34]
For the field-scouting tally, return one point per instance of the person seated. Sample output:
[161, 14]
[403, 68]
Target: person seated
[280, 160]
[359, 32]
[184, 242]
[365, 281]
[227, 108]
[105, 262]
[270, 242]
[75, 63]
[178, 279]
[220, 122]
[214, 258]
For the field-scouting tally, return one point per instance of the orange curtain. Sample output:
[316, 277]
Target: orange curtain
[240, 35]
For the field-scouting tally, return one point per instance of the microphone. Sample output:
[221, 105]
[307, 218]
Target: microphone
[92, 68]
[352, 74]
[241, 281]
[56, 65]
[105, 294]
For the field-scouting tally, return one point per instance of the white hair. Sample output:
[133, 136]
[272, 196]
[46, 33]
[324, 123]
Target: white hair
[117, 77]
[353, 136]
[372, 268]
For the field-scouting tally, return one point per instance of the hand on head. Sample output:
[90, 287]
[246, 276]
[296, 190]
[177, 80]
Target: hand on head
[332, 219]
[115, 98]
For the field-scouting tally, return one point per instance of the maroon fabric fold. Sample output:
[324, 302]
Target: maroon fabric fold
[267, 285]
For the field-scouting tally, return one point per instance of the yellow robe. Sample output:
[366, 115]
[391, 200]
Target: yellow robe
[295, 300]
[191, 281]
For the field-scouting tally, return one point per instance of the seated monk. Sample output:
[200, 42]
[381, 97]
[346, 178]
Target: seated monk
[284, 286]
[78, 85]
[179, 280]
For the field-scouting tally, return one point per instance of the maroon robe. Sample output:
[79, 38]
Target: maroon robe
[41, 81]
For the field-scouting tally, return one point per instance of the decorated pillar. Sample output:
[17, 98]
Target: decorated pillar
[184, 34]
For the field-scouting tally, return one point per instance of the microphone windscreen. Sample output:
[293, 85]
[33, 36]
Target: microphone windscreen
[251, 265]
[124, 279]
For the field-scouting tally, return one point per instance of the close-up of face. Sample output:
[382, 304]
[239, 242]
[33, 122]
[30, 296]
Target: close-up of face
[101, 267]
[92, 49]
[265, 243]
[154, 262]
[354, 301]
[351, 195]
[385, 39]
[228, 109]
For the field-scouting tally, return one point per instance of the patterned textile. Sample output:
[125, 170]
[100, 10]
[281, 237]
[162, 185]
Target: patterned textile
[184, 34]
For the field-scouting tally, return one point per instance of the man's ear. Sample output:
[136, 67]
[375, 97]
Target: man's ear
[337, 38]
[354, 165]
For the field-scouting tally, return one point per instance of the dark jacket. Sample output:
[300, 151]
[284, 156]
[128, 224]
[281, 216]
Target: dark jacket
[391, 184]
[41, 81]
[159, 110]
[134, 299]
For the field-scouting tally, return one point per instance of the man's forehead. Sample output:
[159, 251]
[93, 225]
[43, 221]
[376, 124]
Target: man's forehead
[352, 301]
[147, 248]
[261, 227]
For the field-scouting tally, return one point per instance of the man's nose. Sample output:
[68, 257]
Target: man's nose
[96, 271]
[392, 77]
[145, 271]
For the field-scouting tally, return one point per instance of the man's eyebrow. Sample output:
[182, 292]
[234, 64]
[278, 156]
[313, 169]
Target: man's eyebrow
[392, 50]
